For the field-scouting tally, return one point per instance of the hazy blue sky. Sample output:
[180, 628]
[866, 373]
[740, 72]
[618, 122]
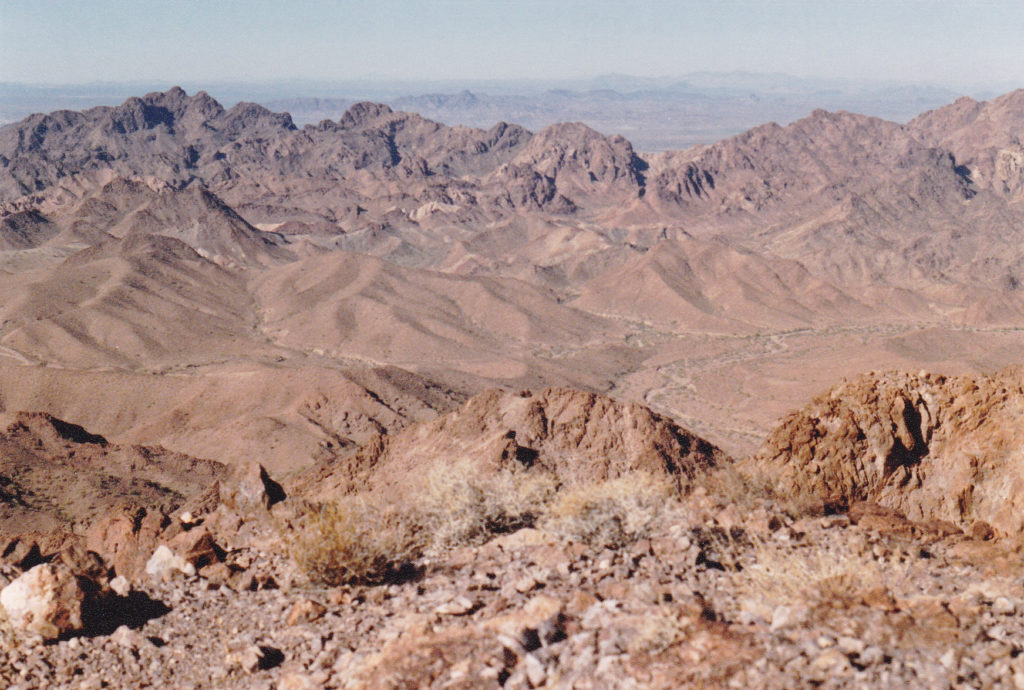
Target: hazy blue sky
[941, 41]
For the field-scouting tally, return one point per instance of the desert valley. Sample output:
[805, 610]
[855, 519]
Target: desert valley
[383, 402]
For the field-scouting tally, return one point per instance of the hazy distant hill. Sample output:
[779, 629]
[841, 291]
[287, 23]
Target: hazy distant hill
[656, 114]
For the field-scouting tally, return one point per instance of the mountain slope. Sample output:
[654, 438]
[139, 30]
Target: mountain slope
[145, 300]
[350, 305]
[709, 286]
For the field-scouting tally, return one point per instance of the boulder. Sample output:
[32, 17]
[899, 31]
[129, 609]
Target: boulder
[126, 538]
[164, 563]
[47, 600]
[250, 488]
[197, 547]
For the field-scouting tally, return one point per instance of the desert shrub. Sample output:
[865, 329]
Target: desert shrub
[611, 513]
[455, 505]
[354, 541]
[368, 539]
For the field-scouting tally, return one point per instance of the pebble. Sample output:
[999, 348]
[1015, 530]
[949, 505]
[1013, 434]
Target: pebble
[1003, 607]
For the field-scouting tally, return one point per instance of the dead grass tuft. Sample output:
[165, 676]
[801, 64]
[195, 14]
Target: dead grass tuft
[368, 539]
[454, 505]
[780, 575]
[750, 488]
[612, 513]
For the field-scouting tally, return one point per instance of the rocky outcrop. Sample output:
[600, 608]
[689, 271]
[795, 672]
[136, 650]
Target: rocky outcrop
[56, 473]
[926, 445]
[573, 436]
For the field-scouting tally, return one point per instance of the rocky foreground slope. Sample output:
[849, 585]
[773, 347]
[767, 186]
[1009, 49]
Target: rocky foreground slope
[625, 577]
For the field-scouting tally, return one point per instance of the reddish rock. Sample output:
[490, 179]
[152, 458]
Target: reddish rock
[250, 488]
[928, 447]
[305, 611]
[569, 434]
[197, 547]
[21, 552]
[127, 538]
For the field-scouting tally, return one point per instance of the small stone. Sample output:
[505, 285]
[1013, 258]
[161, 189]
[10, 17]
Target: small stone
[1003, 607]
[579, 601]
[851, 645]
[833, 661]
[254, 658]
[871, 656]
[535, 672]
[297, 681]
[459, 606]
[305, 611]
[948, 660]
[121, 586]
[165, 562]
[525, 584]
[982, 531]
[216, 573]
[789, 616]
[996, 632]
[128, 638]
[749, 618]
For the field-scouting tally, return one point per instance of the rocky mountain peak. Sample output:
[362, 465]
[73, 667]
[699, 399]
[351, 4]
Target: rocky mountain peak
[361, 114]
[244, 118]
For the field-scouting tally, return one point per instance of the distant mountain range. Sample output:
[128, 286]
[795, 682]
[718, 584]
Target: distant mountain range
[656, 114]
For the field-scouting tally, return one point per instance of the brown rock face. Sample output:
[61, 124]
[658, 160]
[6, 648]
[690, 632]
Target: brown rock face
[929, 446]
[984, 137]
[126, 538]
[196, 547]
[573, 435]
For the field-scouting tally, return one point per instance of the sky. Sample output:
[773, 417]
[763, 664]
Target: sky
[923, 41]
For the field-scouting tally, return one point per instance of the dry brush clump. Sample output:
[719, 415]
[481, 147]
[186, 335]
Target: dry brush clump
[353, 540]
[611, 513]
[369, 539]
[749, 487]
[774, 574]
[455, 506]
